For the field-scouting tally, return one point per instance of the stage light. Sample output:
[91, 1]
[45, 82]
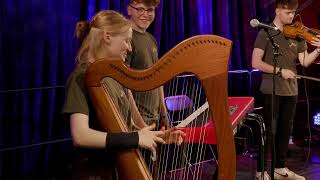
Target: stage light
[316, 119]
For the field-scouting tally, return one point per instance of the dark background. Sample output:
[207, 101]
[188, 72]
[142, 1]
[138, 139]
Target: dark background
[38, 50]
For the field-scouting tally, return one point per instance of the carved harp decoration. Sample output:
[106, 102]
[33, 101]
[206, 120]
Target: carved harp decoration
[205, 56]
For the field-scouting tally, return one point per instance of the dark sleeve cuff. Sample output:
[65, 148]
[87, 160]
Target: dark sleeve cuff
[122, 140]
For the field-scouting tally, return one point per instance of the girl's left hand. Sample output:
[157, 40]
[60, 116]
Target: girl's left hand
[173, 135]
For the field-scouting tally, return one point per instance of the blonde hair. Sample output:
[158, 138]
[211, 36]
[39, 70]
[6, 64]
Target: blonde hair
[91, 34]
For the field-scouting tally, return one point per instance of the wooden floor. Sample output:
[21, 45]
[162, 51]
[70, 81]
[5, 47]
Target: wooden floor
[297, 162]
[246, 165]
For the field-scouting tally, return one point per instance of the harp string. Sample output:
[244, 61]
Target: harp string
[173, 119]
[145, 100]
[193, 148]
[181, 156]
[163, 154]
[169, 149]
[171, 157]
[188, 147]
[187, 163]
[203, 120]
[177, 160]
[119, 96]
[201, 146]
[185, 159]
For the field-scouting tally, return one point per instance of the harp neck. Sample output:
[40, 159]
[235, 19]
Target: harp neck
[203, 55]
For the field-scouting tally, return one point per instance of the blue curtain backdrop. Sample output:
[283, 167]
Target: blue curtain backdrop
[38, 50]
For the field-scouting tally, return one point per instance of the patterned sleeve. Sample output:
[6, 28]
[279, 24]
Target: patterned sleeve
[261, 40]
[76, 98]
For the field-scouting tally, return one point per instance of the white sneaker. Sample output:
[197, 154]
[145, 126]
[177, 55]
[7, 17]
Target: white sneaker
[265, 176]
[285, 173]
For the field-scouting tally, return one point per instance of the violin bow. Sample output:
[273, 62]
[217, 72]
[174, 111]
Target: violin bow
[307, 77]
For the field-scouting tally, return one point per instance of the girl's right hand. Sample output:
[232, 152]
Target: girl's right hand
[148, 139]
[288, 74]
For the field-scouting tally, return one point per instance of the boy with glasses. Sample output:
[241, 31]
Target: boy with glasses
[144, 54]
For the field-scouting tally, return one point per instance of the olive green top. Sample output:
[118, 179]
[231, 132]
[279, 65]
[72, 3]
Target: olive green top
[144, 54]
[77, 99]
[288, 49]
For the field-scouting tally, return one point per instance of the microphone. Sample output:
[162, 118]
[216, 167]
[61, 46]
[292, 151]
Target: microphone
[255, 23]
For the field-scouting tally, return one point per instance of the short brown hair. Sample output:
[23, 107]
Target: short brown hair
[287, 4]
[146, 2]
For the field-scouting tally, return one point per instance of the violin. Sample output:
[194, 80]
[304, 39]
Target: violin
[298, 30]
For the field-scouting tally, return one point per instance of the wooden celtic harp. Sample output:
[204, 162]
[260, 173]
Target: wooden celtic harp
[207, 57]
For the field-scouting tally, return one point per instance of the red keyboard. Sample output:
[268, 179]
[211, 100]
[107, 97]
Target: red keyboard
[239, 107]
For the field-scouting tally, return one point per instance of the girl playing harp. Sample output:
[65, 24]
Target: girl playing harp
[108, 35]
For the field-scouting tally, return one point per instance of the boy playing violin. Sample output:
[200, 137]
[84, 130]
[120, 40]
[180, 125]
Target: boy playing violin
[286, 88]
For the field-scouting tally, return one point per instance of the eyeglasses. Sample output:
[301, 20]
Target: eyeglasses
[141, 10]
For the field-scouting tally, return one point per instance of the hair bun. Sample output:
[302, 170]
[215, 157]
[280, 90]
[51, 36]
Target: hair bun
[82, 29]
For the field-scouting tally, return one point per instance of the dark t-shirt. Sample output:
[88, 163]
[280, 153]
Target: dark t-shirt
[93, 162]
[77, 99]
[144, 54]
[289, 49]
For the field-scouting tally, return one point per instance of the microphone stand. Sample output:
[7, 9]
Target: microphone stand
[275, 55]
